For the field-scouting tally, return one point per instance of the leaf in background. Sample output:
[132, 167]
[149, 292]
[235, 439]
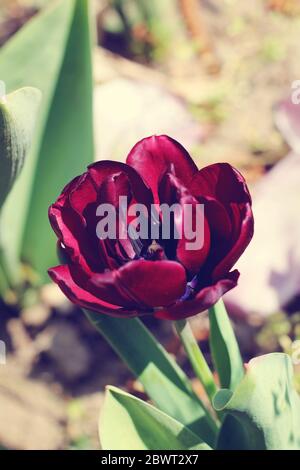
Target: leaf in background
[224, 348]
[264, 410]
[51, 52]
[163, 380]
[67, 146]
[32, 56]
[18, 112]
[127, 423]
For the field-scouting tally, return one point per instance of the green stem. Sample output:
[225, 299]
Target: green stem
[194, 353]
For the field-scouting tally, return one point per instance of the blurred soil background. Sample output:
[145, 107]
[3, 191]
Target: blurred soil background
[209, 73]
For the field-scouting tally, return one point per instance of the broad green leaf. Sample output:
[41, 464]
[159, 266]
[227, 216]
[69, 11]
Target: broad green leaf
[33, 57]
[18, 112]
[127, 423]
[224, 348]
[163, 380]
[67, 146]
[264, 410]
[51, 52]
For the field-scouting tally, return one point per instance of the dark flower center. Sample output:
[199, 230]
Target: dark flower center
[155, 252]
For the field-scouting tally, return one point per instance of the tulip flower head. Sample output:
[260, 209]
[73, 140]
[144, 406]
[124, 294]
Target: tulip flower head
[154, 235]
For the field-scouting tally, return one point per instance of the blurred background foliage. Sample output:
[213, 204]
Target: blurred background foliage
[206, 72]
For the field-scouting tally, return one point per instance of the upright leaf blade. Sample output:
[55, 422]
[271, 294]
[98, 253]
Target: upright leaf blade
[163, 380]
[64, 143]
[18, 111]
[224, 348]
[264, 410]
[127, 423]
[67, 146]
[33, 56]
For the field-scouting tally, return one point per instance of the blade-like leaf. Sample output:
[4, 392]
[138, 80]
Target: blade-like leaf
[224, 348]
[67, 146]
[52, 52]
[18, 113]
[127, 423]
[163, 380]
[264, 410]
[33, 57]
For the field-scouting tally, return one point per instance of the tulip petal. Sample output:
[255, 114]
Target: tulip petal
[153, 156]
[204, 299]
[107, 286]
[100, 171]
[218, 218]
[82, 194]
[116, 250]
[187, 221]
[222, 182]
[245, 229]
[61, 275]
[67, 225]
[73, 218]
[228, 209]
[64, 195]
[140, 283]
[153, 283]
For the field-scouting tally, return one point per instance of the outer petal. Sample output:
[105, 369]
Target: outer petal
[154, 283]
[83, 194]
[67, 225]
[138, 284]
[61, 275]
[100, 171]
[63, 197]
[229, 213]
[218, 218]
[144, 283]
[245, 233]
[67, 221]
[207, 297]
[153, 156]
[73, 218]
[222, 182]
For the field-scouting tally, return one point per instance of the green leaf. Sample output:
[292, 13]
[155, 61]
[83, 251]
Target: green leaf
[18, 113]
[163, 380]
[264, 410]
[224, 348]
[127, 423]
[51, 52]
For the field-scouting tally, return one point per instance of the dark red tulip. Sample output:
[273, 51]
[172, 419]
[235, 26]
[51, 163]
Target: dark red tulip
[127, 277]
